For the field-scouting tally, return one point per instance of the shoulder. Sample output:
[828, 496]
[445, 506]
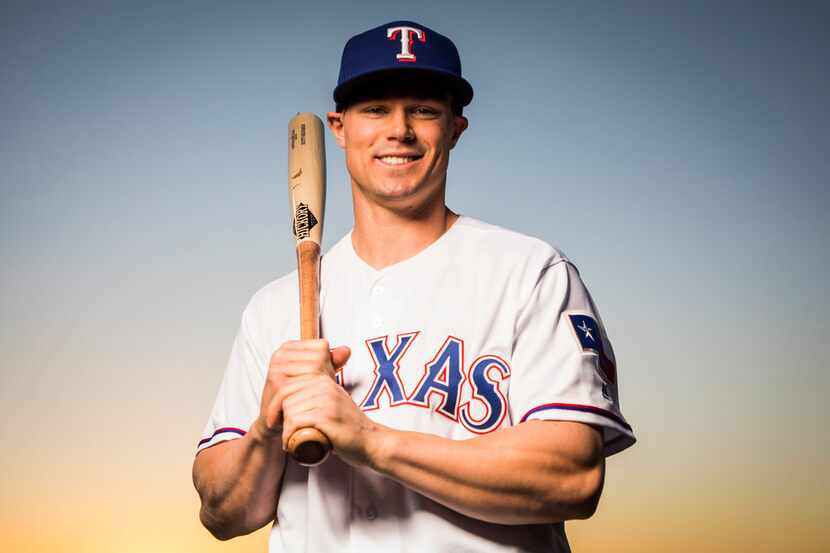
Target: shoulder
[506, 246]
[509, 260]
[276, 297]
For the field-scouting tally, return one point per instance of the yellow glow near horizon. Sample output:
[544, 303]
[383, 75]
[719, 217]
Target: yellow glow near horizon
[114, 509]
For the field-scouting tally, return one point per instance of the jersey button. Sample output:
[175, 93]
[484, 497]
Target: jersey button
[371, 513]
[377, 290]
[377, 322]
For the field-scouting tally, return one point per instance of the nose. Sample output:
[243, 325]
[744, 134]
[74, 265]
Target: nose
[400, 126]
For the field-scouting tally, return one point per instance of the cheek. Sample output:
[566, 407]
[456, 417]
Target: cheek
[358, 147]
[358, 138]
[440, 136]
[353, 163]
[443, 144]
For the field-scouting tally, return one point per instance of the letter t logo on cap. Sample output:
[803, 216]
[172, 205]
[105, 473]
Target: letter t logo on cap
[406, 40]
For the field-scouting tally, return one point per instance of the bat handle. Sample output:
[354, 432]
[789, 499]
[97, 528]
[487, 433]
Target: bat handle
[308, 446]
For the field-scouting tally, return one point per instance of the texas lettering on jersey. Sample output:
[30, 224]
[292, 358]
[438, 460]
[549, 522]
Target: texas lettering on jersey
[444, 377]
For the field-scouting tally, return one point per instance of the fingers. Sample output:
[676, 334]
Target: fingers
[274, 415]
[305, 345]
[295, 371]
[306, 404]
[340, 355]
[298, 357]
[294, 368]
[305, 357]
[319, 402]
[300, 395]
[301, 350]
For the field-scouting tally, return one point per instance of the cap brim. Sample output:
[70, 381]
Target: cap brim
[462, 90]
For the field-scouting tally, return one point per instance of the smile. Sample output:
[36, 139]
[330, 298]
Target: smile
[398, 160]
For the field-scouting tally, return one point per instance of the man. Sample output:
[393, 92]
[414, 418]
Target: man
[465, 379]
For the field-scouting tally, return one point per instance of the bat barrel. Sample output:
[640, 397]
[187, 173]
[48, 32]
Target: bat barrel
[306, 176]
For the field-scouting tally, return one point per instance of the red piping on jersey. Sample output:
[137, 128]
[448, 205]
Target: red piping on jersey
[578, 407]
[222, 430]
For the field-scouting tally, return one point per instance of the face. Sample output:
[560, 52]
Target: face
[397, 149]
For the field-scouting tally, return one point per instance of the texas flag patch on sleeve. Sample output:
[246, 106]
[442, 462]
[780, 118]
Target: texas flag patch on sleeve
[590, 338]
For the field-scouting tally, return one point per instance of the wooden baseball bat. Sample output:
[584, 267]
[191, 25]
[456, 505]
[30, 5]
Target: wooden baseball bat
[307, 198]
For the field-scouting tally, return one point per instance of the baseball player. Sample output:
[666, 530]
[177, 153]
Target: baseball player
[465, 378]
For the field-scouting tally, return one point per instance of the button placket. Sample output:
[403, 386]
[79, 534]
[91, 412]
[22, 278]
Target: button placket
[375, 293]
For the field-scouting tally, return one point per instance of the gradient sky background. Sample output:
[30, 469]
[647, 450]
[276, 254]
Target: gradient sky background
[678, 152]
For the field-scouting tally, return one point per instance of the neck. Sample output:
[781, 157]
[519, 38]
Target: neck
[384, 236]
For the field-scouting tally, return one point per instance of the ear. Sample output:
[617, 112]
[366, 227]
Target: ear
[459, 125]
[335, 119]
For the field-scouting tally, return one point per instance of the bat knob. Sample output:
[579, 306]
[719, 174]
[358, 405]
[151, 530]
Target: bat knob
[309, 447]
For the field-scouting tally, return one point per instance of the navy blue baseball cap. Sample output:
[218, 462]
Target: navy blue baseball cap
[390, 49]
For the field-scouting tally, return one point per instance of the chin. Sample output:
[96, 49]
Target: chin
[397, 190]
[409, 200]
[399, 193]
[396, 196]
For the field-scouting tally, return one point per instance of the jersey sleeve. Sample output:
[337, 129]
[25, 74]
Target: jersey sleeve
[563, 365]
[237, 403]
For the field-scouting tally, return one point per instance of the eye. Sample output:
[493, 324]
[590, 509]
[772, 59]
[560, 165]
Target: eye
[427, 112]
[373, 109]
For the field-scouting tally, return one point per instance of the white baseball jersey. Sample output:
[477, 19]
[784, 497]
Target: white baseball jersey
[483, 329]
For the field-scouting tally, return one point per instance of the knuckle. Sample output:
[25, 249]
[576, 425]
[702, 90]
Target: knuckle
[280, 354]
[275, 379]
[319, 345]
[278, 399]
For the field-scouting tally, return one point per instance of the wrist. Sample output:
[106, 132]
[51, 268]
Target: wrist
[263, 436]
[382, 443]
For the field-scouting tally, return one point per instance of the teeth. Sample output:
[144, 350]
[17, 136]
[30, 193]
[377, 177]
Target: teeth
[395, 160]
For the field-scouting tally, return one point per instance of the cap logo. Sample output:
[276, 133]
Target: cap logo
[406, 34]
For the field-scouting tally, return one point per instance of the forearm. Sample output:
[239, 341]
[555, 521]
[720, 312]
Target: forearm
[238, 482]
[508, 477]
[534, 472]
